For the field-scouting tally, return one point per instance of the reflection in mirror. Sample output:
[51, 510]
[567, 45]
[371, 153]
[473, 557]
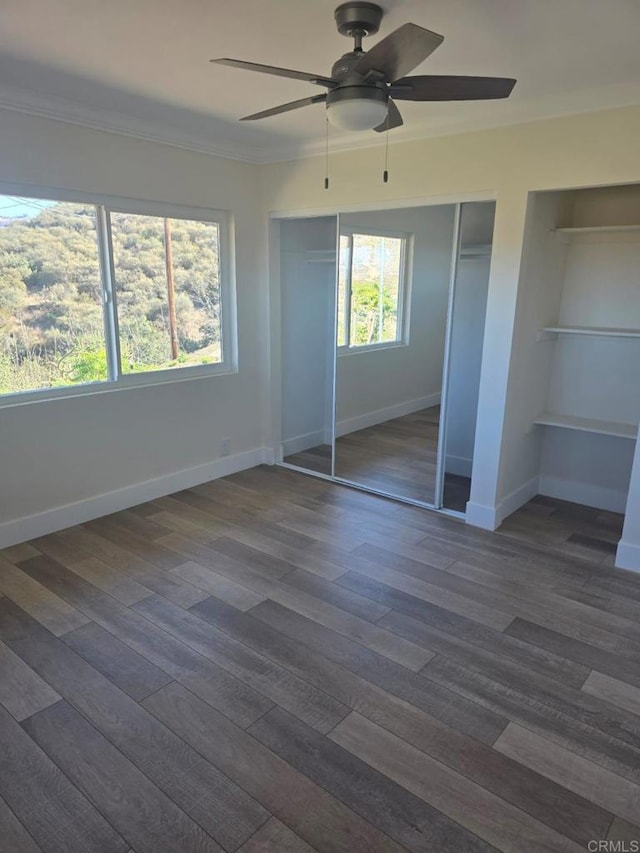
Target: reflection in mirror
[393, 283]
[466, 338]
[307, 296]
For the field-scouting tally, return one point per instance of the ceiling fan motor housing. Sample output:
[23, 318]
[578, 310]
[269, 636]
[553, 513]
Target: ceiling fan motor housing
[358, 18]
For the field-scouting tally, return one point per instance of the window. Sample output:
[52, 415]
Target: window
[88, 295]
[167, 277]
[371, 283]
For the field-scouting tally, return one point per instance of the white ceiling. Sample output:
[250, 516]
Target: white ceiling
[141, 66]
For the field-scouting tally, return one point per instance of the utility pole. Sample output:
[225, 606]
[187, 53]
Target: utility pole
[171, 293]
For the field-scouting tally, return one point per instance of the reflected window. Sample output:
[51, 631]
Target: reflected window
[371, 284]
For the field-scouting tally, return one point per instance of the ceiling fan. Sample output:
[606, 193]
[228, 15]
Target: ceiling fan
[364, 86]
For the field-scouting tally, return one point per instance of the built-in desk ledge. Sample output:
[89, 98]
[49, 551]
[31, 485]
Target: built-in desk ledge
[613, 428]
[597, 331]
[595, 229]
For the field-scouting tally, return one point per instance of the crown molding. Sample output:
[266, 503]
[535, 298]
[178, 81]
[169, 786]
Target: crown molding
[71, 112]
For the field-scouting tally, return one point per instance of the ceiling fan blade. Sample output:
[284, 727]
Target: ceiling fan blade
[285, 108]
[393, 119]
[400, 52]
[318, 79]
[450, 88]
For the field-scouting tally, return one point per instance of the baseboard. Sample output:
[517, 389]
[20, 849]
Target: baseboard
[583, 493]
[628, 556]
[29, 527]
[517, 498]
[491, 517]
[303, 442]
[380, 416]
[458, 465]
[481, 515]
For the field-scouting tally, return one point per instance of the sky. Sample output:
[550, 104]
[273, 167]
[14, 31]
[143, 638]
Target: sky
[13, 206]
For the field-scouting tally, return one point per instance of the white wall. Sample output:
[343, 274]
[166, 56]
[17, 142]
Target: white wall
[307, 298]
[377, 385]
[67, 459]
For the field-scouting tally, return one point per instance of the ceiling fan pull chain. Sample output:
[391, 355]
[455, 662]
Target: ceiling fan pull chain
[385, 174]
[326, 157]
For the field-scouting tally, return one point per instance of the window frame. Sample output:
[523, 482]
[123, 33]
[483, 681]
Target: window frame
[404, 283]
[116, 380]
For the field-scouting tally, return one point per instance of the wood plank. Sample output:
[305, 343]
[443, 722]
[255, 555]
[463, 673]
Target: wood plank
[202, 792]
[51, 611]
[561, 809]
[377, 639]
[136, 567]
[622, 830]
[605, 661]
[138, 810]
[16, 553]
[273, 681]
[612, 690]
[123, 588]
[505, 827]
[150, 550]
[453, 601]
[442, 704]
[182, 663]
[608, 790]
[127, 669]
[59, 818]
[467, 631]
[317, 817]
[222, 587]
[617, 755]
[275, 837]
[14, 838]
[22, 692]
[384, 803]
[345, 599]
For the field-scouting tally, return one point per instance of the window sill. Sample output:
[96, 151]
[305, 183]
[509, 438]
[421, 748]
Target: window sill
[124, 383]
[342, 351]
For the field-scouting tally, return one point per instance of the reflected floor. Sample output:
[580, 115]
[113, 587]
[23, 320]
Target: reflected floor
[316, 459]
[397, 457]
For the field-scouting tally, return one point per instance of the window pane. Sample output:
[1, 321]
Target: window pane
[167, 275]
[343, 269]
[375, 289]
[51, 323]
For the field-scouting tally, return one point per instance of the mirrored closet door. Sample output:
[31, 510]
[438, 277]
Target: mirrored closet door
[382, 326]
[465, 338]
[393, 286]
[307, 261]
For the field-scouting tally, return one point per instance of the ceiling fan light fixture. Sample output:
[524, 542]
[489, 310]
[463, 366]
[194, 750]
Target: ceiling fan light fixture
[357, 108]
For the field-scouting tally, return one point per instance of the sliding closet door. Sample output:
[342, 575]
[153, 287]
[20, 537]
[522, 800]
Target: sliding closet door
[307, 315]
[468, 304]
[393, 284]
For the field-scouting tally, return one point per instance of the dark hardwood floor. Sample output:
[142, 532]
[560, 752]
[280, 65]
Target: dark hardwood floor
[272, 663]
[397, 457]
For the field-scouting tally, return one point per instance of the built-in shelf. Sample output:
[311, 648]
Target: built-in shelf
[602, 331]
[595, 229]
[588, 425]
[475, 250]
[320, 256]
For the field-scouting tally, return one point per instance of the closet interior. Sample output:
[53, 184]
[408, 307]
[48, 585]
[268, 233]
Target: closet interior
[581, 286]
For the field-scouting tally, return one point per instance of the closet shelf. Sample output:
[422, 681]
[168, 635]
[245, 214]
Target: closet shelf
[593, 425]
[475, 250]
[595, 229]
[320, 256]
[602, 331]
